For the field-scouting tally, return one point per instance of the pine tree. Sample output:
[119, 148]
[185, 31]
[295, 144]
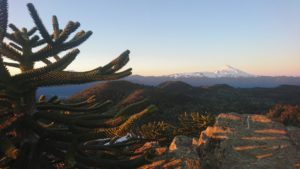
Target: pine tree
[50, 133]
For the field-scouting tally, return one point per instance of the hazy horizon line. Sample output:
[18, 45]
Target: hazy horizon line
[257, 75]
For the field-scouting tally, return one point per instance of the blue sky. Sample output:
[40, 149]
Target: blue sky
[171, 36]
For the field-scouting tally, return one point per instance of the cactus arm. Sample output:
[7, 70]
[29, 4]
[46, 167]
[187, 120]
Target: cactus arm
[133, 108]
[77, 40]
[4, 74]
[49, 50]
[18, 35]
[11, 64]
[10, 52]
[116, 64]
[15, 46]
[46, 61]
[107, 72]
[120, 130]
[39, 24]
[11, 37]
[3, 18]
[66, 77]
[70, 108]
[88, 101]
[58, 65]
[64, 35]
[129, 142]
[55, 26]
[32, 31]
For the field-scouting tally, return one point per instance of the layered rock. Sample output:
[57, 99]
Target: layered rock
[236, 141]
[249, 141]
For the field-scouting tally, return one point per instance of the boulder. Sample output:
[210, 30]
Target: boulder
[181, 154]
[249, 141]
[236, 141]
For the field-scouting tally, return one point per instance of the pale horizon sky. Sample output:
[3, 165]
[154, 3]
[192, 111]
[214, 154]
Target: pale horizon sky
[260, 37]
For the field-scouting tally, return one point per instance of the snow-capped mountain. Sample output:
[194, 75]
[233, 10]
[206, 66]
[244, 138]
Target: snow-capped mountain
[226, 75]
[227, 71]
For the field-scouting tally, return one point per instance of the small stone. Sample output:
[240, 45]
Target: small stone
[180, 141]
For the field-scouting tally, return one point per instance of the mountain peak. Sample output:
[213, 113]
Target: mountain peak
[226, 71]
[229, 67]
[230, 71]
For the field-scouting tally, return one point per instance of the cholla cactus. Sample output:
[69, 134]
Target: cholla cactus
[51, 133]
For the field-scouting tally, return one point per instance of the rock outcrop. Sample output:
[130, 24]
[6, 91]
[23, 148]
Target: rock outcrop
[249, 141]
[181, 154]
[236, 141]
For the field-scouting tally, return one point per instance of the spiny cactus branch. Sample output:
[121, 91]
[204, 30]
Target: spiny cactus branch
[32, 31]
[16, 47]
[3, 18]
[4, 74]
[57, 66]
[39, 24]
[66, 77]
[101, 73]
[55, 26]
[10, 52]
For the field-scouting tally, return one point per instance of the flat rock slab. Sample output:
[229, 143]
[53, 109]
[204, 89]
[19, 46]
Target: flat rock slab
[241, 141]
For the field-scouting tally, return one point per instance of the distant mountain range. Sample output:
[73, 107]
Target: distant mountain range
[227, 75]
[227, 71]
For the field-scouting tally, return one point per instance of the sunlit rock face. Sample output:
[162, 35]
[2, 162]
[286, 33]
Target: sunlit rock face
[249, 141]
[181, 154]
[235, 141]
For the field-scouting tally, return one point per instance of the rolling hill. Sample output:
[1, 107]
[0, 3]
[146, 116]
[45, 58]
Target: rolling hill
[177, 97]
